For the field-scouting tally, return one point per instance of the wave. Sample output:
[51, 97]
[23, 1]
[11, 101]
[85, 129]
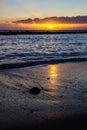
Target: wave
[34, 63]
[36, 55]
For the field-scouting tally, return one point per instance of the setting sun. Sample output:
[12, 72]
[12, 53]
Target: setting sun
[51, 27]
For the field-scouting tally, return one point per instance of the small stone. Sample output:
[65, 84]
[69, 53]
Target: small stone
[31, 110]
[35, 90]
[48, 78]
[24, 109]
[61, 96]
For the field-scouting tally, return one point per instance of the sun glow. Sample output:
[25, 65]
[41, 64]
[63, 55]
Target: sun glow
[43, 26]
[51, 27]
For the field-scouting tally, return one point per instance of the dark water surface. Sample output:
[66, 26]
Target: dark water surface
[34, 49]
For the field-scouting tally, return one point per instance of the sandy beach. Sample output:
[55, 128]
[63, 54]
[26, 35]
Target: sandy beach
[61, 103]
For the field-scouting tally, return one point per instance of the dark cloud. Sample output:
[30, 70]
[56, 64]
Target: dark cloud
[77, 19]
[29, 20]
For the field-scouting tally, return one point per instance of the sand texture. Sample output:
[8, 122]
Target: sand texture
[63, 93]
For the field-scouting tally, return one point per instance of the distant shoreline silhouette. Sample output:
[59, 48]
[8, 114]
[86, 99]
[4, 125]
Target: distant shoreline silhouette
[32, 32]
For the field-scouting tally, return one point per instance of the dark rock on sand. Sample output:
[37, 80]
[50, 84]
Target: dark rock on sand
[48, 78]
[35, 90]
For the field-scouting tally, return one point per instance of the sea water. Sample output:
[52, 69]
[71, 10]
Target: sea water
[45, 48]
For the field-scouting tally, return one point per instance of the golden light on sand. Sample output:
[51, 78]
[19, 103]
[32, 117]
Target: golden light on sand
[54, 74]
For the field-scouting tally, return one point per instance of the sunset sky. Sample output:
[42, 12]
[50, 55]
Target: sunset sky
[16, 10]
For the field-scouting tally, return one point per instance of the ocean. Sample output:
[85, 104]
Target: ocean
[25, 50]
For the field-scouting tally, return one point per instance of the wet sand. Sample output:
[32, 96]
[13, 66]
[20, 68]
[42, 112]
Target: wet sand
[61, 103]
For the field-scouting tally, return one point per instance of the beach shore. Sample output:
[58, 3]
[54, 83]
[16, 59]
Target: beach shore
[61, 103]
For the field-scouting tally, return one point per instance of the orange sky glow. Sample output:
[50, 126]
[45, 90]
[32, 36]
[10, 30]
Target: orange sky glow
[42, 26]
[43, 14]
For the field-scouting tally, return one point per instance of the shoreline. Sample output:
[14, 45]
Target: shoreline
[62, 103]
[37, 63]
[41, 32]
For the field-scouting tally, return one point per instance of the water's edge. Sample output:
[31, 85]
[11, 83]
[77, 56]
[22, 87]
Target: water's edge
[34, 63]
